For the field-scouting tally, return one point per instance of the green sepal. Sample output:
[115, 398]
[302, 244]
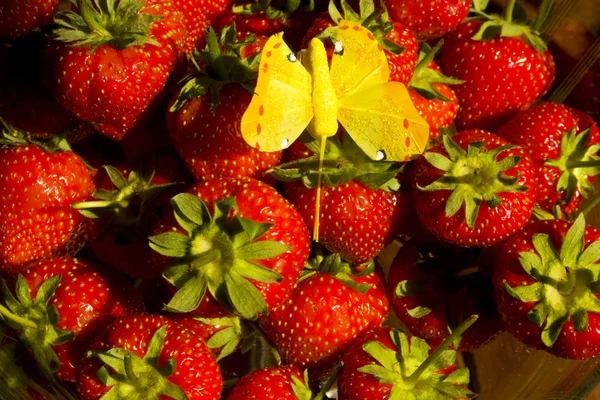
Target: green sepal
[419, 311]
[219, 253]
[133, 377]
[344, 161]
[119, 24]
[227, 339]
[424, 77]
[219, 64]
[262, 353]
[577, 162]
[333, 265]
[473, 176]
[301, 387]
[566, 281]
[11, 136]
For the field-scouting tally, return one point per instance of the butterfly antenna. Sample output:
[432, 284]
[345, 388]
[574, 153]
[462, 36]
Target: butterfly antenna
[318, 202]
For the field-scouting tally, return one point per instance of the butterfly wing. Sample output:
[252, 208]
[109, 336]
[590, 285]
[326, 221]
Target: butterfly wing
[281, 107]
[383, 122]
[379, 115]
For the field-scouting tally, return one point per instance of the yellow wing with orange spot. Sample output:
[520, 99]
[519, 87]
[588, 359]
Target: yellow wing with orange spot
[282, 104]
[379, 115]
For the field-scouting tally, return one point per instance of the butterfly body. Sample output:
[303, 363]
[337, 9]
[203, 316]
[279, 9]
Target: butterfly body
[291, 97]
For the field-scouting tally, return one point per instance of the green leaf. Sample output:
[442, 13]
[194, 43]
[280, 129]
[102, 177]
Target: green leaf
[455, 201]
[254, 229]
[419, 311]
[529, 293]
[262, 250]
[409, 288]
[580, 320]
[454, 150]
[189, 296]
[510, 29]
[552, 329]
[381, 354]
[439, 161]
[538, 313]
[173, 391]
[244, 297]
[23, 292]
[572, 244]
[170, 244]
[155, 346]
[46, 290]
[590, 255]
[256, 272]
[334, 13]
[116, 177]
[190, 211]
[168, 368]
[489, 30]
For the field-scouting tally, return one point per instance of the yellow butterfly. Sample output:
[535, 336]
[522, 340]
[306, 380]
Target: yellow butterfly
[297, 93]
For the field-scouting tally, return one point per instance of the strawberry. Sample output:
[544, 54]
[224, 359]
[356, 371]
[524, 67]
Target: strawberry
[494, 180]
[200, 15]
[126, 211]
[545, 280]
[431, 94]
[505, 65]
[276, 383]
[325, 325]
[71, 301]
[398, 42]
[248, 252]
[262, 17]
[149, 356]
[385, 363]
[557, 141]
[205, 115]
[432, 292]
[19, 18]
[38, 185]
[92, 65]
[429, 19]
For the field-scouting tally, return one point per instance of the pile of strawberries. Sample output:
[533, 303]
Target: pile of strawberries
[147, 251]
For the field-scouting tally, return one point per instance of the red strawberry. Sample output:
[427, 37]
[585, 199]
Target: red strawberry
[149, 356]
[399, 43]
[126, 211]
[385, 362]
[503, 73]
[556, 140]
[277, 383]
[109, 78]
[494, 180]
[545, 279]
[73, 301]
[429, 19]
[431, 94]
[200, 15]
[312, 328]
[19, 18]
[205, 116]
[38, 187]
[248, 253]
[431, 293]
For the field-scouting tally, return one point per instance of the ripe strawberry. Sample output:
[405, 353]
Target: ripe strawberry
[545, 280]
[205, 115]
[312, 328]
[95, 71]
[433, 292]
[149, 356]
[126, 211]
[493, 179]
[248, 253]
[71, 301]
[38, 187]
[19, 18]
[262, 17]
[431, 94]
[429, 19]
[557, 141]
[503, 72]
[277, 383]
[399, 43]
[200, 15]
[385, 363]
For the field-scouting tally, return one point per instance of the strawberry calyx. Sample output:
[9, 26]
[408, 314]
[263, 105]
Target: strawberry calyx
[301, 387]
[343, 161]
[135, 377]
[424, 77]
[36, 321]
[577, 162]
[119, 24]
[473, 176]
[333, 265]
[374, 19]
[567, 282]
[227, 339]
[413, 372]
[126, 204]
[218, 254]
[283, 10]
[219, 64]
[514, 22]
[12, 136]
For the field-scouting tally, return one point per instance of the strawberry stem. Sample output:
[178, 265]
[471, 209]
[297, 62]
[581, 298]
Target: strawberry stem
[214, 52]
[414, 377]
[509, 10]
[15, 318]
